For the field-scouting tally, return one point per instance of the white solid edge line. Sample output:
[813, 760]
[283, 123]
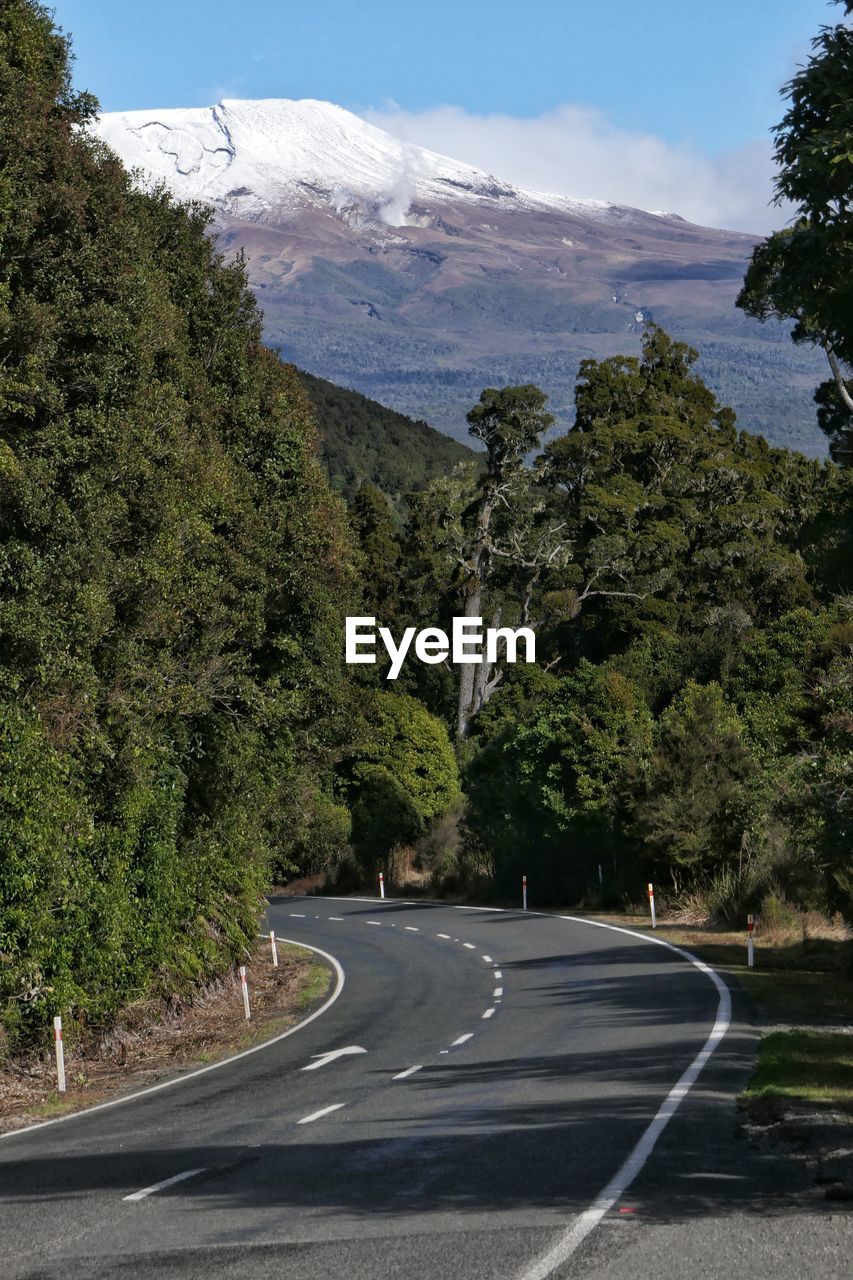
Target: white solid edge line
[462, 1039]
[213, 1066]
[161, 1186]
[410, 1071]
[316, 1115]
[479, 908]
[571, 1239]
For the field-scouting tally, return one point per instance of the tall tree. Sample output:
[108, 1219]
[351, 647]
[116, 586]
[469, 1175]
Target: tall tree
[805, 272]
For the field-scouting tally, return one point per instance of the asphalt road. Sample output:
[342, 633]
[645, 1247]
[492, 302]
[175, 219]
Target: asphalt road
[502, 1069]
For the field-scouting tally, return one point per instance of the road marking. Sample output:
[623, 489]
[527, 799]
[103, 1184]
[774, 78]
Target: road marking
[469, 945]
[410, 1071]
[498, 992]
[497, 974]
[443, 935]
[167, 1182]
[573, 1237]
[316, 1115]
[298, 915]
[338, 918]
[489, 1013]
[488, 959]
[462, 1039]
[379, 922]
[323, 1059]
[412, 928]
[213, 1066]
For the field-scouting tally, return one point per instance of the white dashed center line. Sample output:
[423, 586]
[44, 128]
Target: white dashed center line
[297, 915]
[167, 1182]
[443, 935]
[488, 959]
[498, 992]
[410, 1071]
[489, 1013]
[497, 974]
[412, 928]
[467, 1036]
[316, 1115]
[469, 945]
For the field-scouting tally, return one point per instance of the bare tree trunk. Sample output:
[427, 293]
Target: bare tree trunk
[471, 609]
[467, 670]
[846, 398]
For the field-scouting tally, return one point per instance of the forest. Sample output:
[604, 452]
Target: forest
[178, 728]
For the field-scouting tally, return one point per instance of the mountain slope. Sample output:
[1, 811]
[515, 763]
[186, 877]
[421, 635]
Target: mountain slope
[255, 159]
[418, 280]
[362, 440]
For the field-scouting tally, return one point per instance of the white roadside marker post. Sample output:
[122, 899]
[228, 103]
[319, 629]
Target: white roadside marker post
[381, 884]
[274, 949]
[524, 893]
[652, 905]
[245, 987]
[750, 945]
[60, 1054]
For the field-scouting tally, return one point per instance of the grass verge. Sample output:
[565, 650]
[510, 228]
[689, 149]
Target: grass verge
[805, 1067]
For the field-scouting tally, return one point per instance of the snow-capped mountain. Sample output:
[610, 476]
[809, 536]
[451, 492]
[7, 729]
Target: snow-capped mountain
[419, 280]
[254, 158]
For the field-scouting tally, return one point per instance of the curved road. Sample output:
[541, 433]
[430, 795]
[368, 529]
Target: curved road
[501, 1068]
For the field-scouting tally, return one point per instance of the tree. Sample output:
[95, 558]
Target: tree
[377, 535]
[805, 272]
[400, 776]
[692, 810]
[502, 524]
[670, 512]
[545, 794]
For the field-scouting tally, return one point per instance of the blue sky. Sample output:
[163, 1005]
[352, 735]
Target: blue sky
[698, 78]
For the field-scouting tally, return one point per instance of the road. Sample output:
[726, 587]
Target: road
[500, 1070]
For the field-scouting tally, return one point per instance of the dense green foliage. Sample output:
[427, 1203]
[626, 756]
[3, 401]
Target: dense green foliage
[686, 580]
[401, 775]
[364, 441]
[804, 272]
[171, 568]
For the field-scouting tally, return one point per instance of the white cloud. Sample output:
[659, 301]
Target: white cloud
[576, 151]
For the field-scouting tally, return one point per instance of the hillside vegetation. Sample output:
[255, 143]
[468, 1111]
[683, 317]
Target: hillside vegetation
[364, 441]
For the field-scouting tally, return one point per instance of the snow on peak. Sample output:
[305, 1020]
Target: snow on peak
[253, 157]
